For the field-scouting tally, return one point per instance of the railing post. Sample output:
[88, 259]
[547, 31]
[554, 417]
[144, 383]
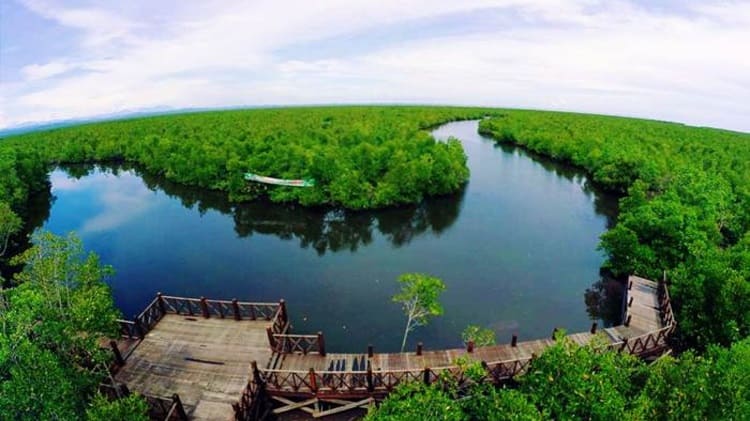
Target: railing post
[630, 301]
[593, 328]
[370, 351]
[256, 373]
[514, 340]
[419, 348]
[627, 321]
[204, 308]
[180, 409]
[313, 382]
[321, 345]
[236, 309]
[189, 305]
[160, 301]
[118, 356]
[427, 376]
[271, 339]
[282, 308]
[370, 387]
[470, 347]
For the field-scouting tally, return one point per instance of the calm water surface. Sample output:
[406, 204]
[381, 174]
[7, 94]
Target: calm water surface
[516, 248]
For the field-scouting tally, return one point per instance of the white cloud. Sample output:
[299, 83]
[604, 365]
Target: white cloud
[607, 57]
[35, 72]
[98, 26]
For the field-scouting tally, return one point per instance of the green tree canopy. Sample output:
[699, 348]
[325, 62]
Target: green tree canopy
[420, 300]
[52, 323]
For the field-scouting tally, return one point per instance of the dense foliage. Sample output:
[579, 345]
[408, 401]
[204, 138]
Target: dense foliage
[51, 325]
[360, 157]
[572, 382]
[687, 209]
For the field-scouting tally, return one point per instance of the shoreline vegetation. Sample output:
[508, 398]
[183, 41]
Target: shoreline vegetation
[685, 213]
[361, 157]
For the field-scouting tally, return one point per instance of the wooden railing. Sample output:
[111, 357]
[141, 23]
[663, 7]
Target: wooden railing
[202, 307]
[128, 329]
[300, 344]
[158, 408]
[665, 306]
[655, 342]
[369, 382]
[217, 308]
[149, 317]
[280, 322]
[253, 403]
[166, 409]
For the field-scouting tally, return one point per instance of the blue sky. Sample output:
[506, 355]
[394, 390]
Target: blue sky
[686, 61]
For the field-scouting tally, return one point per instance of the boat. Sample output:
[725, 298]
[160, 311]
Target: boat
[279, 181]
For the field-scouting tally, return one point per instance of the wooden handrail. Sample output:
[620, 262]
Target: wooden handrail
[304, 344]
[258, 303]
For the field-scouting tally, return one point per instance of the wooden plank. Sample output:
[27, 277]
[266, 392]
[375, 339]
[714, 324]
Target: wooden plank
[171, 359]
[291, 402]
[293, 406]
[343, 408]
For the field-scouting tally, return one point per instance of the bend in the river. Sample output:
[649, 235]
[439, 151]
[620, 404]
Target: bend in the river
[516, 248]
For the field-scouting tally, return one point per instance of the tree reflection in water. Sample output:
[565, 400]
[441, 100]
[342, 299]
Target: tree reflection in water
[323, 229]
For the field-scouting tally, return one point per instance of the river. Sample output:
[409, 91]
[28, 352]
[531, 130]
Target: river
[516, 248]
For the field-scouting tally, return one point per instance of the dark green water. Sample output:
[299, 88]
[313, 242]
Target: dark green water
[516, 248]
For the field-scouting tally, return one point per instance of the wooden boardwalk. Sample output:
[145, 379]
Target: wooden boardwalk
[205, 361]
[200, 350]
[224, 357]
[302, 372]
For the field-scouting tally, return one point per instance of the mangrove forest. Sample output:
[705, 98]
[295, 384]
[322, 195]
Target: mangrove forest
[683, 219]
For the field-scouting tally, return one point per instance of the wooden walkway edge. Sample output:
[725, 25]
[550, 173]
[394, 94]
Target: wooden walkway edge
[184, 346]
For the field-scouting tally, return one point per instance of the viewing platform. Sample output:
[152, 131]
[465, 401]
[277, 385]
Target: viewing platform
[212, 359]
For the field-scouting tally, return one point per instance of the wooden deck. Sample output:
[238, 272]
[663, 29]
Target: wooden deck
[205, 361]
[303, 376]
[221, 356]
[644, 312]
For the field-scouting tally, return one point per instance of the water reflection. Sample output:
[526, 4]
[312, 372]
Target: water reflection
[116, 203]
[322, 229]
[605, 203]
[604, 301]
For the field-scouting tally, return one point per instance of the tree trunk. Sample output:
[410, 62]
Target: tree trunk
[406, 332]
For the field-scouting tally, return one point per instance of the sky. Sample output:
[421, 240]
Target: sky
[677, 60]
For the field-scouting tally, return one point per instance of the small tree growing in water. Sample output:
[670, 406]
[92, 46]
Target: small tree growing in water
[419, 297]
